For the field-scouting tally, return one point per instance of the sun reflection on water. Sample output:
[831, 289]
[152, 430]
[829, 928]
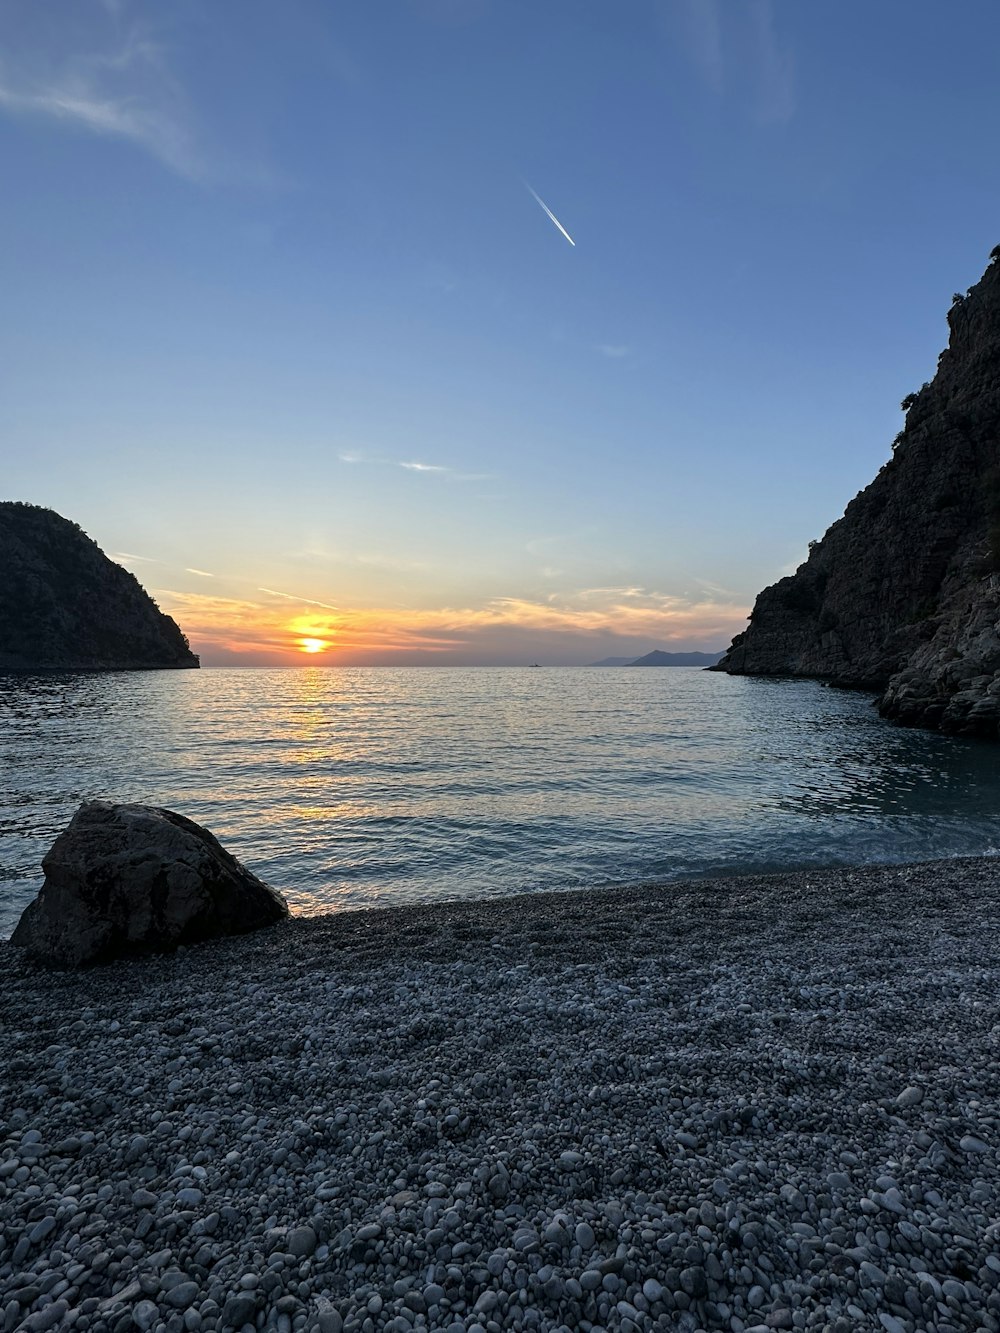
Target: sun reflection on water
[353, 786]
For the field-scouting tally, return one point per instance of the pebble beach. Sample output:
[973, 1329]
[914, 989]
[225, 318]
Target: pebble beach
[757, 1103]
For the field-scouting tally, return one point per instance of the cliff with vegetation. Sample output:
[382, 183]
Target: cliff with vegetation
[64, 605]
[902, 595]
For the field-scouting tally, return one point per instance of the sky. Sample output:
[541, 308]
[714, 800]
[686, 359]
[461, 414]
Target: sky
[476, 331]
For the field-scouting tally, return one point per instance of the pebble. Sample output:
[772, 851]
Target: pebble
[302, 1241]
[41, 1230]
[911, 1096]
[543, 1115]
[970, 1143]
[585, 1237]
[181, 1296]
[145, 1314]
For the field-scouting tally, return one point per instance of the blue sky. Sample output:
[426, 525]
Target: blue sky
[279, 306]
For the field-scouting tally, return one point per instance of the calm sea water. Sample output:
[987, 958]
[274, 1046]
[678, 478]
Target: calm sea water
[348, 787]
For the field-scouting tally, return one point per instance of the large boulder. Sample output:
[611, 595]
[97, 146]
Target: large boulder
[135, 879]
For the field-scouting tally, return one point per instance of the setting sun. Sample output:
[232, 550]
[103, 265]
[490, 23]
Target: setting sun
[313, 645]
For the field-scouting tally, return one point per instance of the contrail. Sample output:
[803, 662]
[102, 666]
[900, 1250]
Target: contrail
[293, 598]
[549, 213]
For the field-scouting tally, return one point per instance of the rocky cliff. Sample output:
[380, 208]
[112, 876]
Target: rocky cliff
[65, 605]
[902, 595]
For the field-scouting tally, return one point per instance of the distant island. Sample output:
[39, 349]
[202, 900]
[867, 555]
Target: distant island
[658, 658]
[902, 595]
[65, 606]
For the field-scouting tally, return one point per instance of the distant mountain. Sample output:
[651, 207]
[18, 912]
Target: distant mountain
[659, 659]
[64, 605]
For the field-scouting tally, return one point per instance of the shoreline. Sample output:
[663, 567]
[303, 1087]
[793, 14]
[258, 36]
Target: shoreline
[695, 880]
[757, 1101]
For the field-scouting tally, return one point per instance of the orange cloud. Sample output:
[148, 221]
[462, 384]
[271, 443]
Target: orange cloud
[591, 623]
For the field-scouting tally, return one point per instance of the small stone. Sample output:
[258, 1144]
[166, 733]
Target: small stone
[911, 1096]
[50, 1317]
[585, 1237]
[173, 1277]
[301, 1242]
[145, 1314]
[694, 1282]
[181, 1296]
[329, 1319]
[968, 1143]
[240, 1309]
[525, 1241]
[41, 1230]
[890, 1323]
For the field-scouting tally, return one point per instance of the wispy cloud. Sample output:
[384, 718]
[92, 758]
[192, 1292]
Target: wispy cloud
[614, 350]
[293, 597]
[358, 456]
[734, 48]
[713, 589]
[143, 559]
[615, 591]
[559, 625]
[775, 67]
[123, 91]
[202, 573]
[701, 32]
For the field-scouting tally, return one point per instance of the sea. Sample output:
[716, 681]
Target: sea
[354, 787]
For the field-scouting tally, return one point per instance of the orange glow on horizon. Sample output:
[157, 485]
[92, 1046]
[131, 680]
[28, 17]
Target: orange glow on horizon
[518, 627]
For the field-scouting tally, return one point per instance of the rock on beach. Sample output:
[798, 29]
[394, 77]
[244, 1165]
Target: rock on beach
[683, 1108]
[132, 879]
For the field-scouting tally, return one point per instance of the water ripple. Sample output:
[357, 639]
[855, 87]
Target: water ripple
[349, 787]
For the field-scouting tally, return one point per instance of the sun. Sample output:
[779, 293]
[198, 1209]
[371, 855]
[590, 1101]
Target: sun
[313, 645]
